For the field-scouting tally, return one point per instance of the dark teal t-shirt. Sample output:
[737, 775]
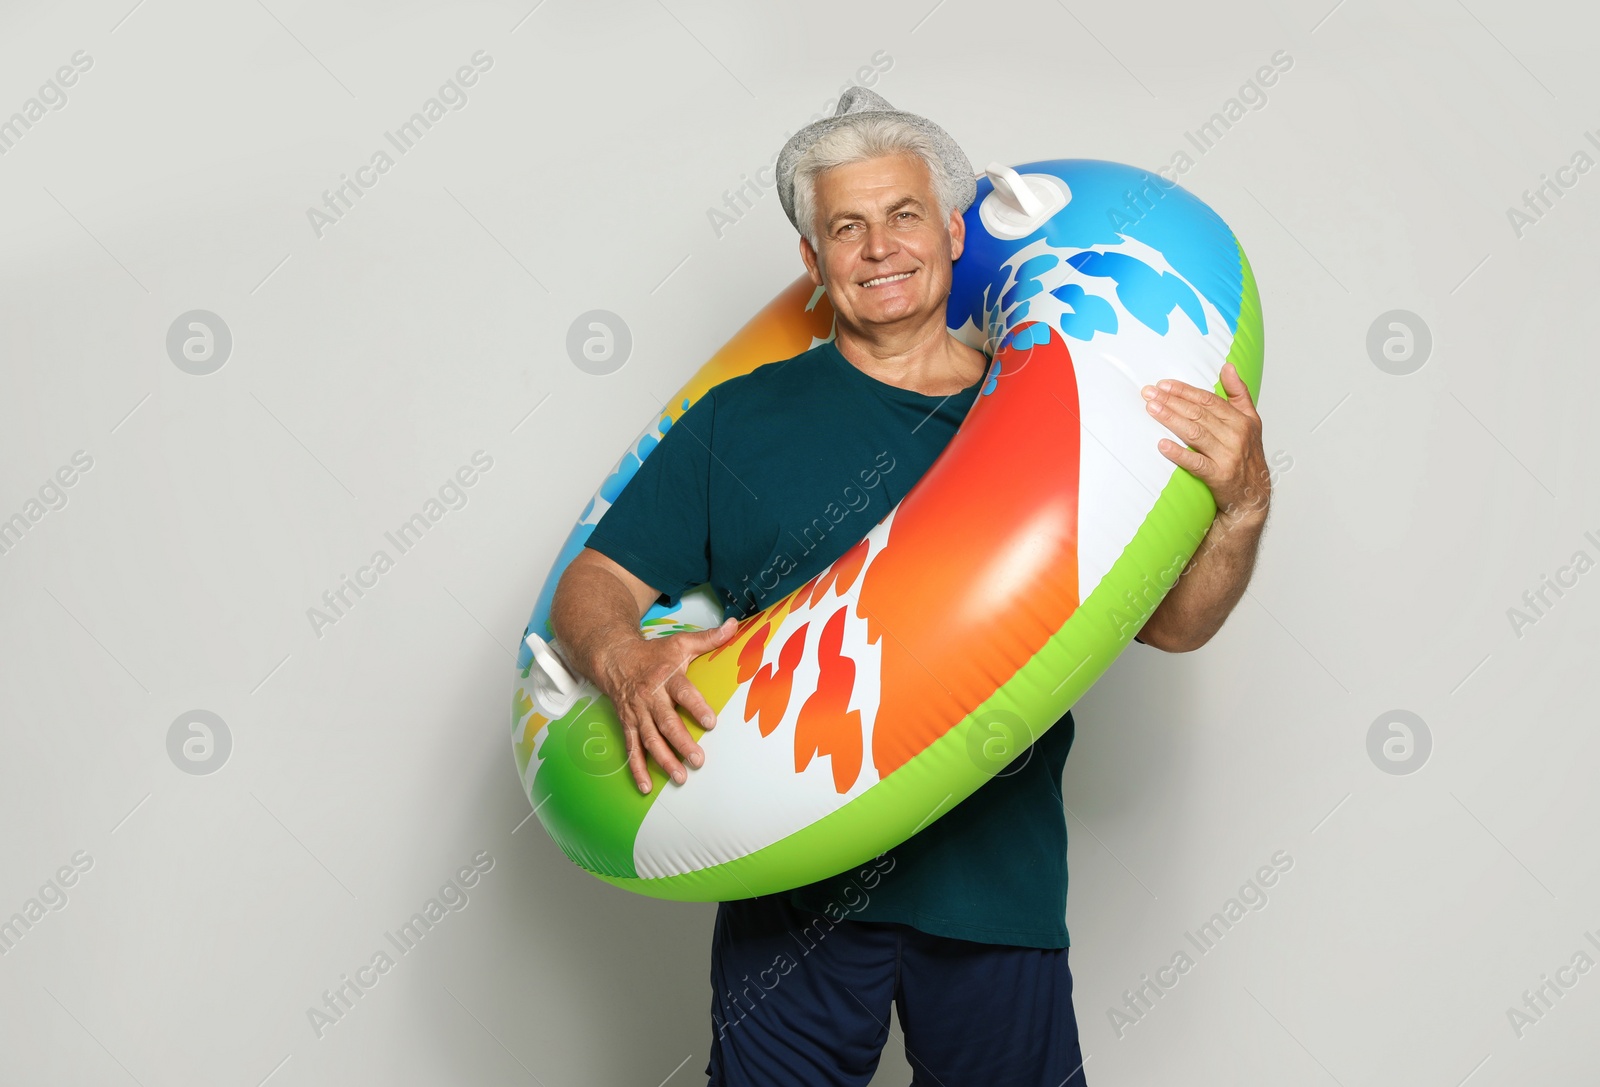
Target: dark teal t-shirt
[759, 486]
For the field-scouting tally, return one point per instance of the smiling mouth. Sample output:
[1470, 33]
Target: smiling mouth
[882, 280]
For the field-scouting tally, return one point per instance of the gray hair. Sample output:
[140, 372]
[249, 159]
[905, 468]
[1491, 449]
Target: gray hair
[868, 135]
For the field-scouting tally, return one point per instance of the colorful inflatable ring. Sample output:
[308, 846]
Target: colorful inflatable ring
[1007, 580]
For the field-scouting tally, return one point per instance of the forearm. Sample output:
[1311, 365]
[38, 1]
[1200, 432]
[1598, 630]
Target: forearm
[1209, 587]
[591, 612]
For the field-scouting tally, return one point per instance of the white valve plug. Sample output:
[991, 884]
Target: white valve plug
[555, 687]
[1020, 203]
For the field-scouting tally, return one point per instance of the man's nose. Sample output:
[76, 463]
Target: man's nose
[880, 241]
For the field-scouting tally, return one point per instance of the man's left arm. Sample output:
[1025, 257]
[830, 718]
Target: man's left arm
[1225, 453]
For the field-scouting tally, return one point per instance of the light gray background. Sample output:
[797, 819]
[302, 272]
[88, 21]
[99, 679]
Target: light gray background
[372, 762]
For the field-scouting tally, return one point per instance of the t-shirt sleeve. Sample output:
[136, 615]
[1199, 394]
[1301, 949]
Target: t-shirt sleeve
[659, 527]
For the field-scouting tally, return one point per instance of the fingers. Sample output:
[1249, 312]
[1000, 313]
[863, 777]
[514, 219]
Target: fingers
[651, 725]
[1238, 398]
[1238, 392]
[1198, 464]
[1221, 429]
[661, 751]
[641, 729]
[687, 695]
[1211, 456]
[667, 739]
[1185, 397]
[1182, 416]
[697, 642]
[636, 766]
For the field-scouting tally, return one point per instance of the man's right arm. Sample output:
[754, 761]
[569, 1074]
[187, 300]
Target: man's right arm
[660, 526]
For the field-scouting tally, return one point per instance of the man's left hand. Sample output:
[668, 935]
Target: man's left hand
[1224, 441]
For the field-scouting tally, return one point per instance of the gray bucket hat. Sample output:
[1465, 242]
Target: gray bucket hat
[861, 100]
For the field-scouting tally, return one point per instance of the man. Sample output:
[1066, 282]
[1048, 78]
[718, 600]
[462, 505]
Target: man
[961, 927]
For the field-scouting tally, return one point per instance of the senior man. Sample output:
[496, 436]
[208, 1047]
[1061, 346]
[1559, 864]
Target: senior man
[963, 926]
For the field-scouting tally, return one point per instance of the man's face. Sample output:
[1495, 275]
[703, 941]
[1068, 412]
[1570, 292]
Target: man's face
[885, 252]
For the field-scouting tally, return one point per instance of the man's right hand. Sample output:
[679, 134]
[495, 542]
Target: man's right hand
[645, 680]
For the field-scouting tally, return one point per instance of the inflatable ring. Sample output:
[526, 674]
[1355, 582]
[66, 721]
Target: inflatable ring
[881, 693]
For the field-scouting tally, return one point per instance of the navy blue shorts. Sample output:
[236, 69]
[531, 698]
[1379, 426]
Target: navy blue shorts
[799, 1000]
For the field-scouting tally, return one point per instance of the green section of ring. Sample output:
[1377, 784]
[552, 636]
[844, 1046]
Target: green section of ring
[594, 822]
[944, 773]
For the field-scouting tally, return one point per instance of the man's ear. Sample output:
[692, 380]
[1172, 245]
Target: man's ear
[958, 234]
[809, 255]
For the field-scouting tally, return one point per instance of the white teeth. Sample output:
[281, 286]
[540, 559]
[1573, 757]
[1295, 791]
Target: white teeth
[886, 279]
